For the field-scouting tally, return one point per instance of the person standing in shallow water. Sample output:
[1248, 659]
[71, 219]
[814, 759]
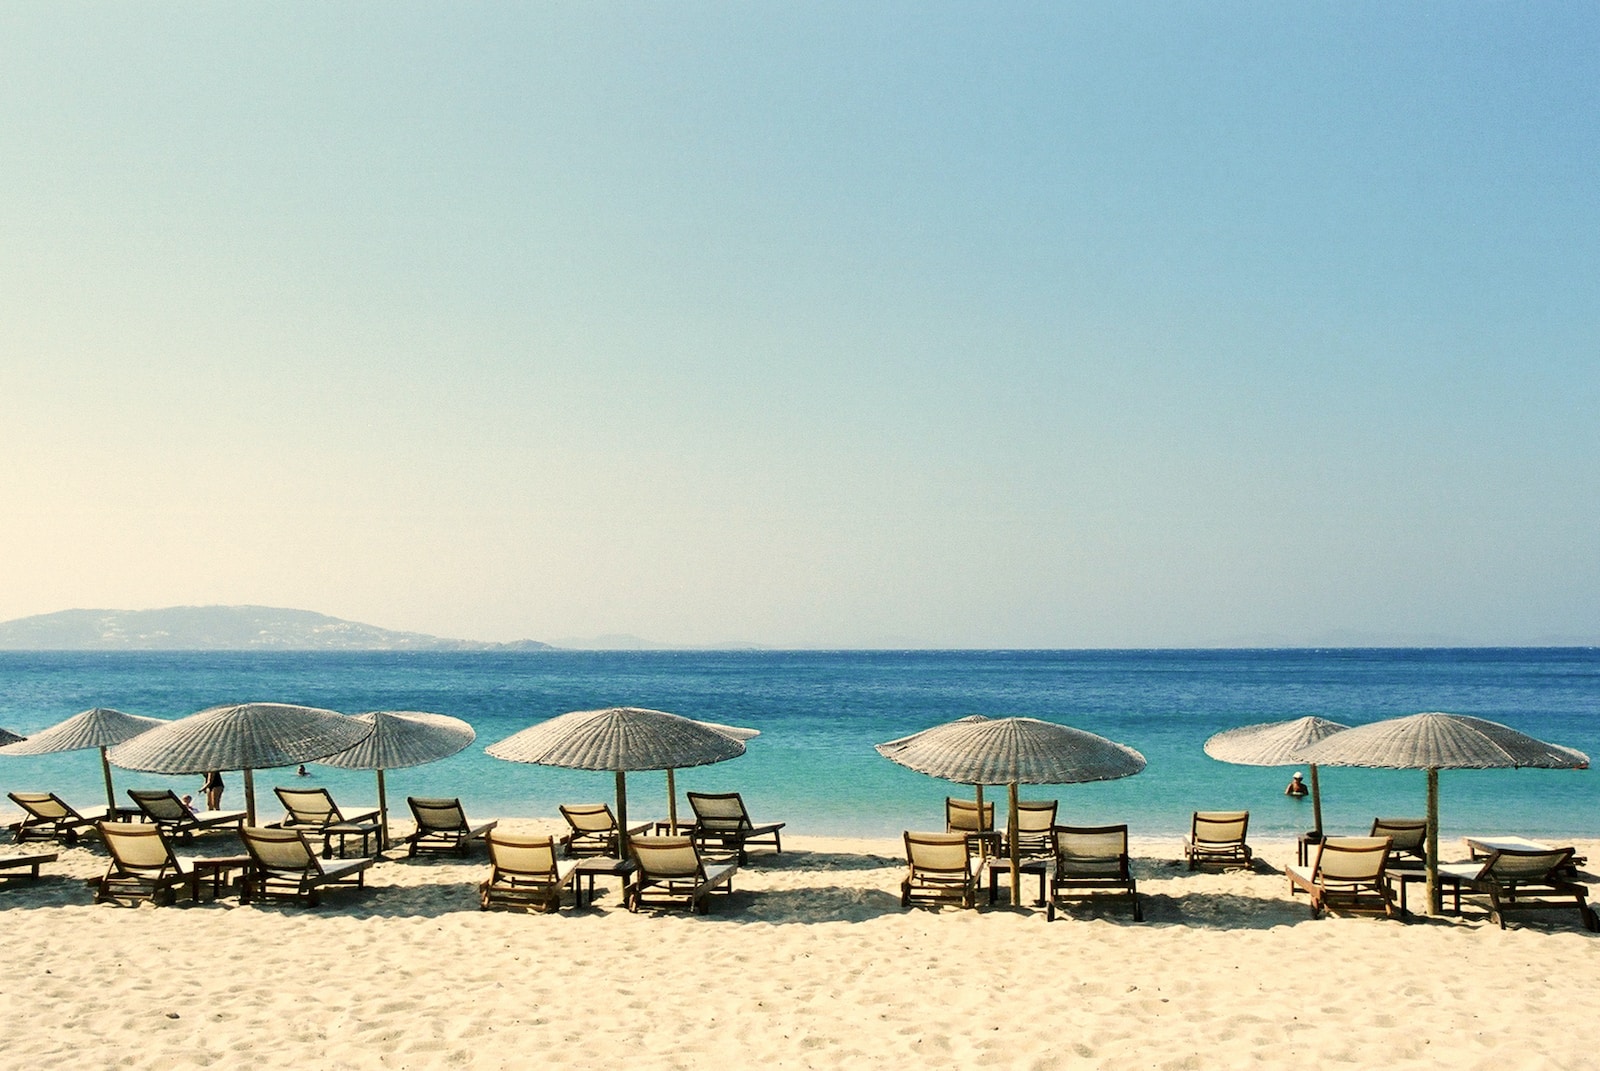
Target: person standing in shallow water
[213, 789]
[1297, 787]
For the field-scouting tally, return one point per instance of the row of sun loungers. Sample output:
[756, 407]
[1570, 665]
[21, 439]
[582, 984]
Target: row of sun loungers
[1072, 863]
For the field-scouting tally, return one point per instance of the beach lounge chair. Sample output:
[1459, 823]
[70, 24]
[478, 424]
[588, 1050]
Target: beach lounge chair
[1408, 847]
[1217, 837]
[31, 862]
[938, 870]
[1348, 872]
[283, 866]
[524, 872]
[721, 816]
[46, 816]
[1035, 821]
[143, 866]
[1519, 880]
[164, 808]
[671, 870]
[1092, 862]
[442, 826]
[313, 810]
[961, 816]
[594, 830]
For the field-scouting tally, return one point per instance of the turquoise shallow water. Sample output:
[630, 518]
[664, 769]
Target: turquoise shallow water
[821, 712]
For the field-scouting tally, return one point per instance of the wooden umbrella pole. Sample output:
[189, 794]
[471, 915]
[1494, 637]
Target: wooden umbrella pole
[383, 815]
[622, 815]
[1435, 904]
[111, 795]
[1016, 849]
[1316, 801]
[249, 797]
[672, 802]
[983, 841]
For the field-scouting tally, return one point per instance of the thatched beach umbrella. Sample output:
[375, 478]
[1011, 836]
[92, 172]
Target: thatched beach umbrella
[401, 738]
[1435, 742]
[99, 728]
[245, 736]
[622, 740]
[1276, 743]
[1013, 751]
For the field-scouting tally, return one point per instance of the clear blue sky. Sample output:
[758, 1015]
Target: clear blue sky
[808, 324]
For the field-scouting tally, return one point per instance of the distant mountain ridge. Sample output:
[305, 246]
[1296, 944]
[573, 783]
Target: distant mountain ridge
[221, 628]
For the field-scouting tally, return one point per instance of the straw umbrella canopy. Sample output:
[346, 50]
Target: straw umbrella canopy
[245, 736]
[1276, 743]
[1013, 751]
[1435, 742]
[622, 740]
[100, 727]
[401, 738]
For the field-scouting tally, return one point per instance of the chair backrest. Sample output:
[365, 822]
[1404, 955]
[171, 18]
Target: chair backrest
[1220, 827]
[720, 810]
[666, 857]
[961, 816]
[1515, 864]
[589, 817]
[938, 853]
[1352, 858]
[138, 847]
[45, 806]
[1036, 816]
[279, 849]
[161, 804]
[309, 806]
[529, 857]
[1091, 850]
[437, 815]
[1409, 835]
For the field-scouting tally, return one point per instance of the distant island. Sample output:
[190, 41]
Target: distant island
[221, 628]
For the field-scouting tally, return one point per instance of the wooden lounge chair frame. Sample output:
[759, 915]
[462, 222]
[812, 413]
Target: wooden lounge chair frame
[46, 816]
[283, 866]
[938, 870]
[672, 871]
[1091, 863]
[1408, 849]
[593, 830]
[313, 810]
[722, 817]
[1218, 837]
[1348, 873]
[32, 862]
[442, 826]
[142, 866]
[1036, 821]
[1516, 880]
[524, 872]
[163, 807]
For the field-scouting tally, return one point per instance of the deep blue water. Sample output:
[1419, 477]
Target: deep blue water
[821, 712]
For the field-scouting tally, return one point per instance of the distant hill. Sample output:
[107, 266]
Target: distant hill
[221, 628]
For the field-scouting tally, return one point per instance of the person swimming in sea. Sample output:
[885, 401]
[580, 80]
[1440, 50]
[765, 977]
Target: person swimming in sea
[1297, 787]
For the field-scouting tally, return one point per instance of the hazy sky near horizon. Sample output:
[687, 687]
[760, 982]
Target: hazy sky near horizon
[815, 324]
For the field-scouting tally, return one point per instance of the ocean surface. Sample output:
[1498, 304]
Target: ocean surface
[820, 713]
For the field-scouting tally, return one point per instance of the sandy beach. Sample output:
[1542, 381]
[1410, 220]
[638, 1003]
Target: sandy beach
[811, 963]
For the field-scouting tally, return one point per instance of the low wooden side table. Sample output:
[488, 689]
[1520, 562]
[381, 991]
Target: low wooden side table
[600, 866]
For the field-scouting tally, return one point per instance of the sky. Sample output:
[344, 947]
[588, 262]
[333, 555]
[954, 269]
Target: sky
[808, 324]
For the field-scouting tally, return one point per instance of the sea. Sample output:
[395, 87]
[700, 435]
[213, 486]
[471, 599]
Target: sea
[819, 714]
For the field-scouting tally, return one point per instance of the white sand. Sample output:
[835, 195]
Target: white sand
[811, 963]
